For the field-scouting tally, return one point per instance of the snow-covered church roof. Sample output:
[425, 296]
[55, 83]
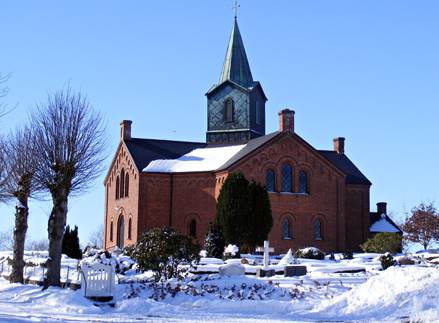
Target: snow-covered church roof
[382, 223]
[198, 160]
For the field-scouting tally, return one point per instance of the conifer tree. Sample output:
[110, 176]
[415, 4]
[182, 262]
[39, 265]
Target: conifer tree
[214, 242]
[70, 243]
[243, 211]
[261, 220]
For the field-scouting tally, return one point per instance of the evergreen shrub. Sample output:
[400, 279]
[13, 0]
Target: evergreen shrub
[348, 254]
[383, 242]
[387, 261]
[214, 242]
[163, 251]
[70, 243]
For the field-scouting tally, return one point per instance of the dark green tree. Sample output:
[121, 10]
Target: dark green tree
[243, 211]
[70, 243]
[163, 250]
[260, 220]
[214, 241]
[232, 208]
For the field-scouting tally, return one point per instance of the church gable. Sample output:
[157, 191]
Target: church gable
[286, 164]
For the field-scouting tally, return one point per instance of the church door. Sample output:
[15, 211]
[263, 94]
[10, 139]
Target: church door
[120, 232]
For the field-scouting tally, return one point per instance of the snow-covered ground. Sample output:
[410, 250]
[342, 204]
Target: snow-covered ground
[329, 292]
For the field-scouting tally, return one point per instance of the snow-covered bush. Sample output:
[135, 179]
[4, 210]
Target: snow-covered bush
[92, 255]
[289, 259]
[309, 253]
[163, 250]
[232, 251]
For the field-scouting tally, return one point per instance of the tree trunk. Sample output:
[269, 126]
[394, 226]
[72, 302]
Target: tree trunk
[57, 223]
[21, 215]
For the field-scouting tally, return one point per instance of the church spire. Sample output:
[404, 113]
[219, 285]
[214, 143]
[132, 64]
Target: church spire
[236, 105]
[236, 67]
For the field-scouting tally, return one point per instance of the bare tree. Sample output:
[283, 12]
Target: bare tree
[7, 240]
[96, 237]
[3, 173]
[71, 144]
[423, 225]
[20, 161]
[3, 92]
[38, 245]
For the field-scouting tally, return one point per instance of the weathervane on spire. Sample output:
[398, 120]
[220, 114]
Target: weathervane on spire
[235, 7]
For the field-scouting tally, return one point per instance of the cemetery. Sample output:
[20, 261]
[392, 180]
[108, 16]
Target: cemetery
[111, 284]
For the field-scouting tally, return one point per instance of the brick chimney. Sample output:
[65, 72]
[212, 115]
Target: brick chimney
[286, 120]
[382, 208]
[125, 130]
[339, 145]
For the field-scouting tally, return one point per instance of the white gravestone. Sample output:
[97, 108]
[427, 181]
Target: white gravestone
[265, 271]
[232, 269]
[266, 250]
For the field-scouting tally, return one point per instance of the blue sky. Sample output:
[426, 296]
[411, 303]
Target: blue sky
[364, 70]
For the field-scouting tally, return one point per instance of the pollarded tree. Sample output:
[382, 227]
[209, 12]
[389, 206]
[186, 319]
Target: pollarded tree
[20, 183]
[423, 225]
[243, 211]
[71, 144]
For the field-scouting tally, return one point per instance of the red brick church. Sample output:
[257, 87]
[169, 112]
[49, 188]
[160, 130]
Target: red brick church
[318, 198]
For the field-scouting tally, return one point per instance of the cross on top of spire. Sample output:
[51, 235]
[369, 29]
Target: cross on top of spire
[236, 6]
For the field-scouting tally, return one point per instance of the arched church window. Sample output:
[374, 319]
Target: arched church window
[286, 229]
[127, 184]
[117, 188]
[318, 230]
[270, 180]
[122, 181]
[228, 110]
[258, 113]
[111, 231]
[193, 228]
[303, 182]
[120, 232]
[286, 173]
[129, 228]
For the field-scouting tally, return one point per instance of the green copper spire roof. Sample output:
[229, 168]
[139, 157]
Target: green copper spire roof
[236, 67]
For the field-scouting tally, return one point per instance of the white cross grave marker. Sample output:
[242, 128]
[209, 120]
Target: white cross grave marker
[266, 249]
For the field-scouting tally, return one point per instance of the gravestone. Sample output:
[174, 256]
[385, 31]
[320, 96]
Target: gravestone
[232, 269]
[290, 271]
[265, 271]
